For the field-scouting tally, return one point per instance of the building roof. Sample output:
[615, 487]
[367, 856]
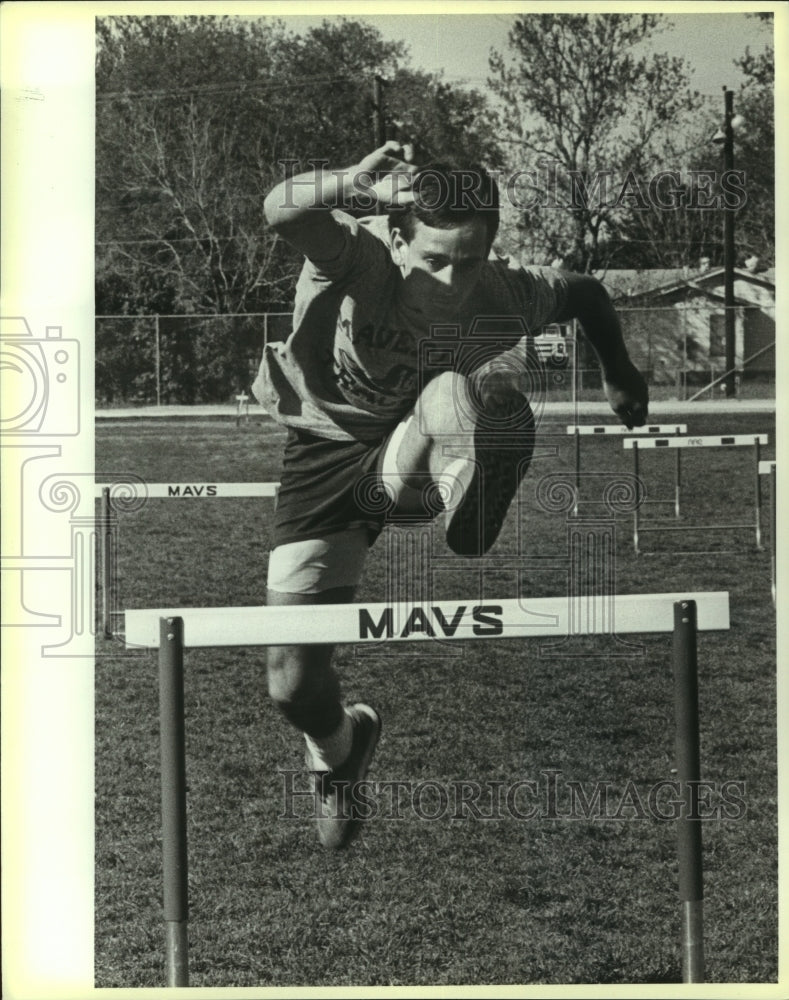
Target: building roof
[623, 284]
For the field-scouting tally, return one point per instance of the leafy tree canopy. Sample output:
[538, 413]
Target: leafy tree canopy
[198, 117]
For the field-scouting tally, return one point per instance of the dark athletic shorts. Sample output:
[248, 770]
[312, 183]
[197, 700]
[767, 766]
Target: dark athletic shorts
[328, 486]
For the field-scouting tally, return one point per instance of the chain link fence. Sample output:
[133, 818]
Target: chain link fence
[166, 359]
[682, 351]
[183, 359]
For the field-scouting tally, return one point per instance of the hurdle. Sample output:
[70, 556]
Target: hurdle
[583, 430]
[129, 492]
[172, 630]
[770, 468]
[754, 441]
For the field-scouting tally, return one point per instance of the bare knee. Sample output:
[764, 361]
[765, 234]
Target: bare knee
[442, 405]
[299, 674]
[409, 457]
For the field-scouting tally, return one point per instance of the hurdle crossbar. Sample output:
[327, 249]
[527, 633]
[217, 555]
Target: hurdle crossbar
[706, 441]
[754, 441]
[596, 429]
[359, 623]
[171, 630]
[194, 491]
[601, 430]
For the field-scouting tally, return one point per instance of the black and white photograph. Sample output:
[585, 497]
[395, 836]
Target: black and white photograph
[391, 558]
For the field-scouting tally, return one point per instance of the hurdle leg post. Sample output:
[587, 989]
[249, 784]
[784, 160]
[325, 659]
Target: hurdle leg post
[577, 469]
[758, 495]
[677, 481]
[173, 752]
[106, 548]
[242, 408]
[773, 528]
[635, 506]
[686, 713]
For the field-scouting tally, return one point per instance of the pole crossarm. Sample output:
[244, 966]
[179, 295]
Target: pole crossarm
[458, 620]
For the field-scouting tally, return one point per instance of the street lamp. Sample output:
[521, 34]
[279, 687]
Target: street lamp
[725, 137]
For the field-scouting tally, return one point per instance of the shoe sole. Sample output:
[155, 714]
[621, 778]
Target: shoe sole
[475, 523]
[336, 834]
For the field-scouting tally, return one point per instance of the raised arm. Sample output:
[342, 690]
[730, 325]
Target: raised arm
[299, 208]
[625, 388]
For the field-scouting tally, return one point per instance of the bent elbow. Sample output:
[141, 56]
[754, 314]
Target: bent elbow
[585, 296]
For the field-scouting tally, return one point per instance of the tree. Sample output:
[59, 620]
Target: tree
[661, 236]
[194, 116]
[676, 220]
[447, 123]
[197, 119]
[754, 152]
[583, 113]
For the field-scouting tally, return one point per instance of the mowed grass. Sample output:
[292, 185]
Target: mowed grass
[458, 898]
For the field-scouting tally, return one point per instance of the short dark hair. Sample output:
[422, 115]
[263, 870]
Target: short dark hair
[445, 197]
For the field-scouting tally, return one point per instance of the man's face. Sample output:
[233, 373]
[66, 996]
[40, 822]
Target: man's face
[440, 266]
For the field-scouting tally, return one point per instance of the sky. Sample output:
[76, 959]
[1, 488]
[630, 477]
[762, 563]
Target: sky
[459, 44]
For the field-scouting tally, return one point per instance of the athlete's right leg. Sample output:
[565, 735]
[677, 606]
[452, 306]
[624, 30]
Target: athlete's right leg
[302, 681]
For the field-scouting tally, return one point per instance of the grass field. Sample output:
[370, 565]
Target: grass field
[557, 898]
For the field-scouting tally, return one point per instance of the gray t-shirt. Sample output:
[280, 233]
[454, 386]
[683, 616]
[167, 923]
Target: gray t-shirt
[358, 354]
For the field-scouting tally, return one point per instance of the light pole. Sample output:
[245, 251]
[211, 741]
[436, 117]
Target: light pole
[728, 250]
[726, 138]
[379, 122]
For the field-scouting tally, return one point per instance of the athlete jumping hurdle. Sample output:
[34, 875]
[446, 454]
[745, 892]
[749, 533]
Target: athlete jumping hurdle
[383, 381]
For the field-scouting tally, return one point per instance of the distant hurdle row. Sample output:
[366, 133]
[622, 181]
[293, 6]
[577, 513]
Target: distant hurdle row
[171, 631]
[755, 441]
[130, 496]
[637, 440]
[674, 437]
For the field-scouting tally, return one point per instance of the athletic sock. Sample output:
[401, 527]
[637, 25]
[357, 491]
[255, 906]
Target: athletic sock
[328, 752]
